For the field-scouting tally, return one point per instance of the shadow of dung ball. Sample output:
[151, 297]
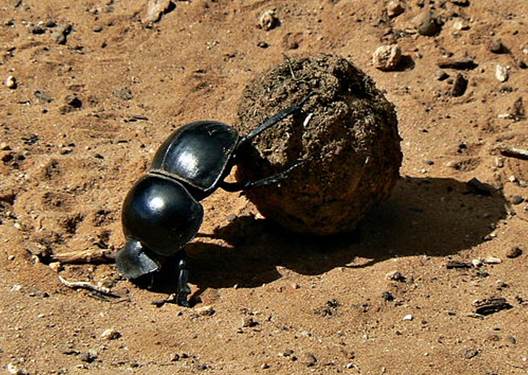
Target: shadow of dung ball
[346, 135]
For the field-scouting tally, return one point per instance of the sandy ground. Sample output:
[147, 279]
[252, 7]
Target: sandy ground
[97, 90]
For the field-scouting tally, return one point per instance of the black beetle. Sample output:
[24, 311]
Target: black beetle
[162, 213]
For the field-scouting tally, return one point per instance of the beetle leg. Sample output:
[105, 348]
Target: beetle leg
[183, 289]
[267, 181]
[273, 120]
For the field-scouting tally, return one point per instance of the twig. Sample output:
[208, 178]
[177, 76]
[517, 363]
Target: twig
[514, 152]
[86, 285]
[84, 256]
[288, 61]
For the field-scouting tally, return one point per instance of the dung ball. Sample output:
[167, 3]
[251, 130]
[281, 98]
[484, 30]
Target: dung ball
[345, 139]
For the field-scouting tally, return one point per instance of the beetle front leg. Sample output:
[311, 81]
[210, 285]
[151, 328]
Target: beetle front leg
[183, 289]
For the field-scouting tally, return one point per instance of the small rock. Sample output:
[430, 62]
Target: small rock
[61, 34]
[55, 266]
[491, 305]
[248, 321]
[38, 29]
[268, 20]
[309, 359]
[396, 276]
[10, 82]
[455, 264]
[460, 25]
[205, 311]
[264, 366]
[125, 93]
[110, 334]
[287, 353]
[517, 199]
[501, 73]
[15, 370]
[476, 263]
[470, 353]
[511, 339]
[459, 86]
[428, 24]
[387, 296]
[492, 260]
[394, 8]
[156, 9]
[462, 3]
[514, 252]
[441, 75]
[43, 97]
[262, 44]
[386, 57]
[408, 317]
[496, 46]
[88, 356]
[478, 187]
[466, 63]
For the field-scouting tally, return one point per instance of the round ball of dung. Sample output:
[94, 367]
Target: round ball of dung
[345, 139]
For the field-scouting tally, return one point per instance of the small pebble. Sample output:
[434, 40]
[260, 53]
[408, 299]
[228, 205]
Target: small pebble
[501, 73]
[517, 199]
[460, 25]
[386, 57]
[492, 260]
[205, 311]
[514, 252]
[309, 359]
[496, 46]
[110, 334]
[262, 44]
[441, 75]
[476, 263]
[394, 8]
[396, 276]
[459, 86]
[268, 20]
[470, 353]
[37, 29]
[15, 370]
[248, 321]
[408, 317]
[156, 9]
[11, 82]
[55, 266]
[387, 296]
[428, 24]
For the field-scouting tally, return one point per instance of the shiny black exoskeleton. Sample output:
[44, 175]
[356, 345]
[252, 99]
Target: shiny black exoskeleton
[161, 213]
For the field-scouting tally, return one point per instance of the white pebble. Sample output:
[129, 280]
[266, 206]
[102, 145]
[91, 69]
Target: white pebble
[492, 260]
[11, 82]
[110, 334]
[408, 317]
[501, 73]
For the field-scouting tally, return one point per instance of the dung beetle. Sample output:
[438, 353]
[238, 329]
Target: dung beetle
[162, 213]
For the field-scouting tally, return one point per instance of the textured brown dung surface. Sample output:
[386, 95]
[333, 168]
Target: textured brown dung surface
[346, 138]
[280, 300]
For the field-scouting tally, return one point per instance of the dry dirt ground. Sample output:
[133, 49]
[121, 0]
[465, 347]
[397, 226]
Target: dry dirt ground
[97, 90]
